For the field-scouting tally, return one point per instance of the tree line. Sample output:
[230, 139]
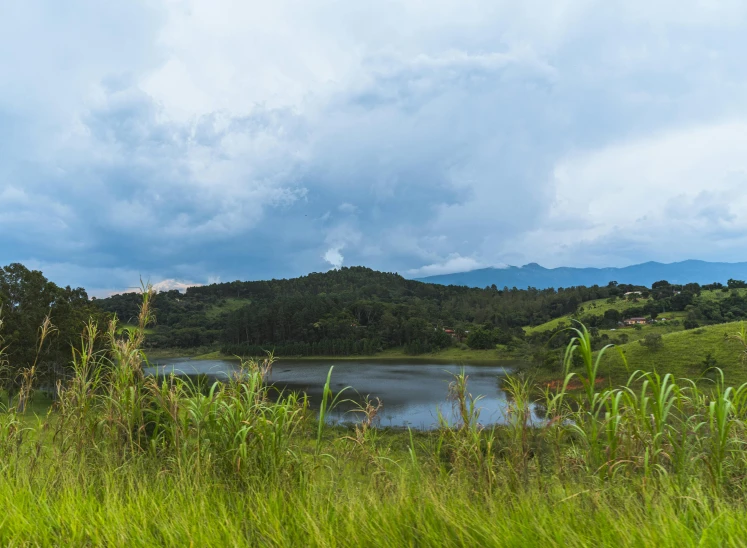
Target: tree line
[343, 312]
[352, 310]
[27, 298]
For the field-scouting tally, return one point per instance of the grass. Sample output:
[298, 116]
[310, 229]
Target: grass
[214, 355]
[453, 354]
[683, 354]
[596, 307]
[673, 325]
[718, 295]
[124, 326]
[600, 306]
[226, 305]
[201, 353]
[448, 354]
[162, 510]
[123, 459]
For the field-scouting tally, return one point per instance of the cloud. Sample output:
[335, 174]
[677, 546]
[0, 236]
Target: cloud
[453, 263]
[191, 143]
[334, 257]
[170, 285]
[659, 197]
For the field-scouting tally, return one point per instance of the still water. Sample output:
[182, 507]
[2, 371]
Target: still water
[412, 391]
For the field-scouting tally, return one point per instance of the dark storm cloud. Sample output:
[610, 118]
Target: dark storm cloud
[197, 146]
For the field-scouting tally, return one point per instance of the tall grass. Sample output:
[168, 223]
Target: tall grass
[127, 459]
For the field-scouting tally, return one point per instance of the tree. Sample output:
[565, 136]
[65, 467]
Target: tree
[481, 339]
[26, 299]
[652, 341]
[612, 317]
[690, 324]
[709, 362]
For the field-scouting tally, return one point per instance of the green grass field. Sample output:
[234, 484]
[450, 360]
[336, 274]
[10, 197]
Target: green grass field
[682, 354]
[600, 306]
[138, 505]
[597, 307]
[121, 327]
[717, 294]
[228, 305]
[673, 325]
[453, 354]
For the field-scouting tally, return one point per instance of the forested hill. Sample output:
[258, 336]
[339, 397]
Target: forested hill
[354, 311]
[351, 310]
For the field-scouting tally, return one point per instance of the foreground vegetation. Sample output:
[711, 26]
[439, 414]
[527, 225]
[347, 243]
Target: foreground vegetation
[123, 459]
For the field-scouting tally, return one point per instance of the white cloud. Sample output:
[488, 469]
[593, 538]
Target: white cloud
[334, 257]
[668, 196]
[453, 263]
[170, 285]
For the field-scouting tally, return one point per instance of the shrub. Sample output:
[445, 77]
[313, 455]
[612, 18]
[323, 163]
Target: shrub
[652, 341]
[709, 362]
[690, 324]
[480, 339]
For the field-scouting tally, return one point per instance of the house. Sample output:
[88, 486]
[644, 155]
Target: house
[635, 321]
[631, 293]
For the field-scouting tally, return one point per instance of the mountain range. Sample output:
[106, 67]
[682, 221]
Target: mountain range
[534, 275]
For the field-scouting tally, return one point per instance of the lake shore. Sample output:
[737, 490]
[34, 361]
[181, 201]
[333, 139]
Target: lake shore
[449, 354]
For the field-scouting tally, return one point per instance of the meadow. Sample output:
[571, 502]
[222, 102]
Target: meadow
[125, 459]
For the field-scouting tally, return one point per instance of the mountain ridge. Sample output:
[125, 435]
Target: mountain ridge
[540, 277]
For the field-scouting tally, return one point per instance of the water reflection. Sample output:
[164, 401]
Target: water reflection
[412, 391]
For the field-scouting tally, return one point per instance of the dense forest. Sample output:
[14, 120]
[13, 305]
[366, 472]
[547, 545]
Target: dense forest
[26, 299]
[351, 311]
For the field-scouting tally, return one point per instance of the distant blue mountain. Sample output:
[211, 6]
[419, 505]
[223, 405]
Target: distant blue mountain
[534, 275]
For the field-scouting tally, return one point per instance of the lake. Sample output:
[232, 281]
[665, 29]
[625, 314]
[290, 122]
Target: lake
[412, 391]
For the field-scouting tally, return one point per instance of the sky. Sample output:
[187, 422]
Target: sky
[196, 141]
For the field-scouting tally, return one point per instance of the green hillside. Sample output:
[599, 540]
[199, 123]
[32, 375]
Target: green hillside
[596, 306]
[719, 295]
[683, 354]
[230, 304]
[360, 312]
[709, 306]
[351, 311]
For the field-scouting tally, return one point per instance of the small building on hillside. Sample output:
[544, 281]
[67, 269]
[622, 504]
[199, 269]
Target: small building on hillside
[635, 321]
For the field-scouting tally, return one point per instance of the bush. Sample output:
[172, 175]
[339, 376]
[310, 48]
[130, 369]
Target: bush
[709, 362]
[652, 341]
[480, 339]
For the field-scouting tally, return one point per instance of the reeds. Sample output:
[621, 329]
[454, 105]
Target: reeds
[630, 464]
